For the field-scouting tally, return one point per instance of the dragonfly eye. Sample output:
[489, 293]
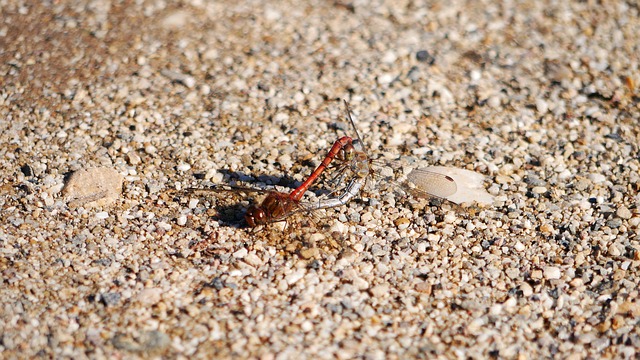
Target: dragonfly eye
[346, 153]
[255, 216]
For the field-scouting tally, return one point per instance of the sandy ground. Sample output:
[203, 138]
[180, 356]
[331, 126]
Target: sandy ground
[539, 96]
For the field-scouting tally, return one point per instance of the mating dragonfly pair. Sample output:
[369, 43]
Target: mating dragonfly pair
[354, 169]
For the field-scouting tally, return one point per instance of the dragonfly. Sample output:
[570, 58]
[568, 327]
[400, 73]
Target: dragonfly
[356, 164]
[278, 206]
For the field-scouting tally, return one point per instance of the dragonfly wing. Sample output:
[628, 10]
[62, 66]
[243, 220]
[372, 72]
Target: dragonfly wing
[230, 202]
[456, 185]
[432, 183]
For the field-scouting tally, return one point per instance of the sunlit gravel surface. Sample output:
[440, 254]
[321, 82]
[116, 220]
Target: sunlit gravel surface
[541, 97]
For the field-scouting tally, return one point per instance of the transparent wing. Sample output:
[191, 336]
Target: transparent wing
[431, 184]
[225, 203]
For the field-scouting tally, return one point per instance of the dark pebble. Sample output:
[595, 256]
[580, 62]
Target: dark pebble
[425, 57]
[26, 170]
[110, 299]
[614, 223]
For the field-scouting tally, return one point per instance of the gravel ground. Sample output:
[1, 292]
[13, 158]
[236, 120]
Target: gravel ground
[106, 107]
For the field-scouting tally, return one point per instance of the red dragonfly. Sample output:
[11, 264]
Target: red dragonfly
[354, 162]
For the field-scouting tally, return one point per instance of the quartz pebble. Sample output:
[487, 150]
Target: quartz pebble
[552, 273]
[624, 213]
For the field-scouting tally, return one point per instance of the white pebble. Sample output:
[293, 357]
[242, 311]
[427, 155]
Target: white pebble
[163, 225]
[102, 215]
[360, 283]
[193, 203]
[526, 289]
[614, 251]
[184, 167]
[294, 276]
[565, 174]
[150, 296]
[494, 102]
[253, 259]
[306, 326]
[182, 220]
[624, 213]
[240, 253]
[450, 217]
[519, 246]
[542, 106]
[539, 190]
[552, 273]
[385, 79]
[379, 291]
[597, 178]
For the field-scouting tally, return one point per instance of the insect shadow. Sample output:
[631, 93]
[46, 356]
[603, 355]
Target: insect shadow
[232, 200]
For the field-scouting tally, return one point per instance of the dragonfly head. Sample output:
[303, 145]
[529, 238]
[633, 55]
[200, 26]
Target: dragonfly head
[346, 154]
[255, 216]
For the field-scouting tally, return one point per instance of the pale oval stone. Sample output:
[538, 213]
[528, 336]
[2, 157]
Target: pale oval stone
[163, 225]
[539, 190]
[360, 283]
[96, 187]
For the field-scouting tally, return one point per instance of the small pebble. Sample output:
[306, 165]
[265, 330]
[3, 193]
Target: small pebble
[110, 298]
[597, 178]
[526, 289]
[379, 290]
[133, 158]
[614, 223]
[184, 167]
[552, 273]
[624, 213]
[542, 106]
[614, 250]
[253, 259]
[425, 57]
[163, 225]
[193, 203]
[295, 276]
[360, 283]
[183, 79]
[539, 189]
[150, 296]
[402, 223]
[240, 253]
